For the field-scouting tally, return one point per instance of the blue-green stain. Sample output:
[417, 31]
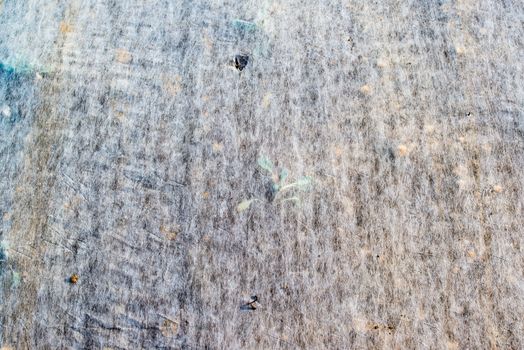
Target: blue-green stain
[19, 70]
[15, 279]
[9, 70]
[283, 175]
[277, 186]
[3, 252]
[265, 164]
[3, 257]
[244, 26]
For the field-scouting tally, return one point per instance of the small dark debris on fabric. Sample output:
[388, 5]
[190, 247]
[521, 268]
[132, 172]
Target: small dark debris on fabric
[271, 192]
[241, 62]
[251, 304]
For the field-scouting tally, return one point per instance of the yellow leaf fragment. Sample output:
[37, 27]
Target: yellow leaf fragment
[366, 89]
[402, 150]
[123, 56]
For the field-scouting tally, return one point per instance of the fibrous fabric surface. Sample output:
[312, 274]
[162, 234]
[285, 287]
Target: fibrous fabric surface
[133, 132]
